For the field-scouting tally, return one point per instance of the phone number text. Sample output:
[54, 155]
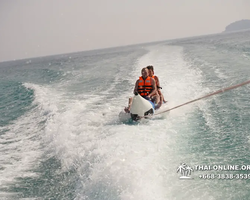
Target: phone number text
[224, 176]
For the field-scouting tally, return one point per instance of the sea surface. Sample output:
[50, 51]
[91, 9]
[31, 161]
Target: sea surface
[61, 137]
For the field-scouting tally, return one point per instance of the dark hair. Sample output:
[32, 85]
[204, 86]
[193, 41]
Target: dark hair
[150, 67]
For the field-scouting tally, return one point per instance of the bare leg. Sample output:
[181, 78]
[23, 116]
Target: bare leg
[158, 105]
[156, 99]
[162, 99]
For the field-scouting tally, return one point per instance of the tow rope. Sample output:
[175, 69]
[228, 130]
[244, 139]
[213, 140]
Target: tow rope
[208, 95]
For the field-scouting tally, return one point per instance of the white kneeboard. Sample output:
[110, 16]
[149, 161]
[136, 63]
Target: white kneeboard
[141, 107]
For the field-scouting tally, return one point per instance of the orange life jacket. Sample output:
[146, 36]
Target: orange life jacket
[144, 86]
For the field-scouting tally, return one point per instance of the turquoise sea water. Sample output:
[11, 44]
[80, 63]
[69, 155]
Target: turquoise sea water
[61, 138]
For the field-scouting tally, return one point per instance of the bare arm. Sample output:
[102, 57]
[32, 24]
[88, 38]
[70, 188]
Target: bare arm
[158, 85]
[153, 88]
[136, 86]
[158, 82]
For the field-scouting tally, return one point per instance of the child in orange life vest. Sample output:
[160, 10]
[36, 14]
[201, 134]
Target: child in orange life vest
[151, 74]
[146, 87]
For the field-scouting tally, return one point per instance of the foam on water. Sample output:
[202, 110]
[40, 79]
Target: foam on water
[20, 148]
[112, 160]
[181, 83]
[115, 160]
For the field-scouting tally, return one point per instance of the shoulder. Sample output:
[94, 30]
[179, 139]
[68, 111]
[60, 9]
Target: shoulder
[156, 78]
[139, 79]
[152, 79]
[137, 83]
